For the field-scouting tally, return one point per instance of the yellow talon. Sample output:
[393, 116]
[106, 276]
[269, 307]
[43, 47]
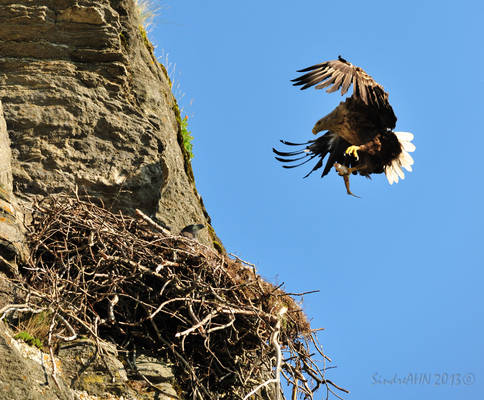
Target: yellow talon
[353, 150]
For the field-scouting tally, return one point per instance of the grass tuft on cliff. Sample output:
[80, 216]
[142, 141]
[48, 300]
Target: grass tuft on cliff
[187, 137]
[147, 11]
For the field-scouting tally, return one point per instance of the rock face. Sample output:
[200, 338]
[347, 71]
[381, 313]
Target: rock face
[26, 373]
[12, 243]
[87, 109]
[87, 105]
[21, 377]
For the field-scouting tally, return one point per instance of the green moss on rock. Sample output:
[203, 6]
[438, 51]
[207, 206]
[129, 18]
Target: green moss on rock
[29, 339]
[147, 43]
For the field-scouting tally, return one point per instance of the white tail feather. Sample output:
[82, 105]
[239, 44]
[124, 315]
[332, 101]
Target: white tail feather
[405, 160]
[404, 136]
[408, 146]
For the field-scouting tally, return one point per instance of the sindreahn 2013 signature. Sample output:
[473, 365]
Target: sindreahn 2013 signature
[424, 378]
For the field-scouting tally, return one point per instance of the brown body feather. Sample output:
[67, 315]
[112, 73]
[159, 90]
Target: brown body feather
[356, 122]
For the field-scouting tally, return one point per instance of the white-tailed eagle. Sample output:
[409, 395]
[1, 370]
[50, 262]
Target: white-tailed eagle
[359, 134]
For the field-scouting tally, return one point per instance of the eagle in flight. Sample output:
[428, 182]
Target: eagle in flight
[359, 134]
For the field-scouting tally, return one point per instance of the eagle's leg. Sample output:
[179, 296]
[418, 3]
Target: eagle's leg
[345, 172]
[353, 150]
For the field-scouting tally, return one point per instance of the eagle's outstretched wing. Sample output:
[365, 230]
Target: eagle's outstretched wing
[340, 73]
[320, 147]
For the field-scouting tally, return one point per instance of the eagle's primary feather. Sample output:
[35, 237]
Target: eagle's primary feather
[359, 131]
[340, 73]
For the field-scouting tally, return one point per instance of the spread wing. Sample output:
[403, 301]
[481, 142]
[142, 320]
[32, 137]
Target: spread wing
[340, 74]
[320, 147]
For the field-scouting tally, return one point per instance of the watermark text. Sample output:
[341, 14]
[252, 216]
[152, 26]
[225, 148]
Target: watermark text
[425, 378]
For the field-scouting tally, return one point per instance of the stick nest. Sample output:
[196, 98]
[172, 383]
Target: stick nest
[113, 277]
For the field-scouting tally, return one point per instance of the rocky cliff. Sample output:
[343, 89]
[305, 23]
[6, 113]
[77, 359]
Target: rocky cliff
[88, 106]
[88, 109]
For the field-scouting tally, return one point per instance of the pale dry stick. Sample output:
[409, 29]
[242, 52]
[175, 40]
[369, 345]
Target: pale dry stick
[294, 383]
[243, 261]
[266, 383]
[206, 344]
[201, 323]
[164, 286]
[299, 294]
[20, 308]
[69, 327]
[295, 389]
[333, 393]
[217, 328]
[194, 319]
[318, 346]
[306, 390]
[229, 310]
[51, 351]
[317, 372]
[192, 314]
[162, 305]
[135, 264]
[314, 374]
[137, 301]
[148, 220]
[277, 346]
[295, 372]
[220, 264]
[336, 386]
[54, 368]
[226, 310]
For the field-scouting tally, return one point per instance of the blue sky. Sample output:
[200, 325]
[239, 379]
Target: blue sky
[400, 271]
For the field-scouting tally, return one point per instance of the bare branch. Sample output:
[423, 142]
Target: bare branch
[152, 223]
